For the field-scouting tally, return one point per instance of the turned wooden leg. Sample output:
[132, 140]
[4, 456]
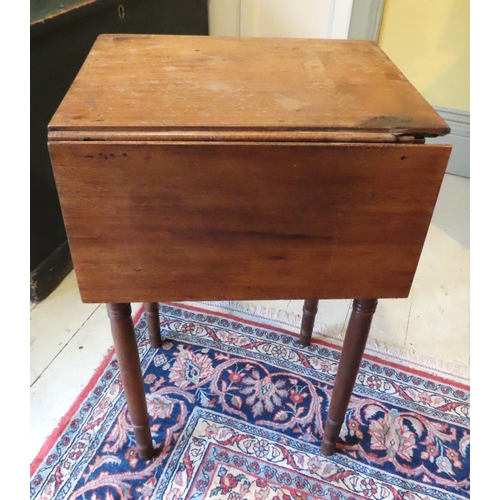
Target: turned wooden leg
[309, 311]
[153, 319]
[127, 353]
[350, 359]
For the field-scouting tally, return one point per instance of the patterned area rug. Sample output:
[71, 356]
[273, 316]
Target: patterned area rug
[237, 413]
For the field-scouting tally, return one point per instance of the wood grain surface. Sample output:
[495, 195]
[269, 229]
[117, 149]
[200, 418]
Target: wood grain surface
[171, 222]
[200, 168]
[210, 85]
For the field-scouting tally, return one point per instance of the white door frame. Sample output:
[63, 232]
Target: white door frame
[341, 18]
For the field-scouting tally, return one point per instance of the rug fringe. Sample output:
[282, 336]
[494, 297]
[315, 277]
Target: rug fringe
[335, 334]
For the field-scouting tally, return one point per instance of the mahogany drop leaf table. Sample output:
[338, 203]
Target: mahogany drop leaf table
[205, 168]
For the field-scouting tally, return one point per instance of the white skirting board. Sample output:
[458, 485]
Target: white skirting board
[459, 138]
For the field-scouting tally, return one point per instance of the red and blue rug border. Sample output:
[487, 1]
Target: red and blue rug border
[57, 432]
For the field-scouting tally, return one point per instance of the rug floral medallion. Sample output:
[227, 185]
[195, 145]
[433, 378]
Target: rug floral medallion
[237, 412]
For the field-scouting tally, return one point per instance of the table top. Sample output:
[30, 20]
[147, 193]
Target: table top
[161, 87]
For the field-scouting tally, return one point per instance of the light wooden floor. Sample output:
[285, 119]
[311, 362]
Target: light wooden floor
[70, 339]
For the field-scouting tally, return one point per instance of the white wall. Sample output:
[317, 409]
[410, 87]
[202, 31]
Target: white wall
[224, 17]
[280, 18]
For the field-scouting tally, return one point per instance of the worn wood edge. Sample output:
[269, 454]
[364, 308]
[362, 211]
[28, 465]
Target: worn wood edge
[444, 128]
[417, 143]
[48, 275]
[57, 135]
